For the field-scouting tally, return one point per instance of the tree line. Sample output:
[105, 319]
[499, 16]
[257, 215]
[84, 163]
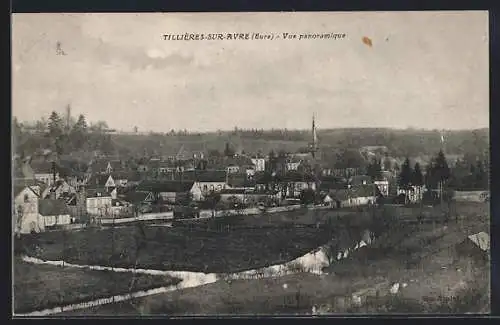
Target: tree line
[62, 135]
[438, 173]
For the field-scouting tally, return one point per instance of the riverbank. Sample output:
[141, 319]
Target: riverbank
[411, 268]
[39, 287]
[419, 257]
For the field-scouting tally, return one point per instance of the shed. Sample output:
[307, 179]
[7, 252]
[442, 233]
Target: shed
[54, 212]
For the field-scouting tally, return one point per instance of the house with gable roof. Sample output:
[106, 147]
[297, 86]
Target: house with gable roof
[43, 171]
[26, 194]
[98, 201]
[169, 191]
[53, 213]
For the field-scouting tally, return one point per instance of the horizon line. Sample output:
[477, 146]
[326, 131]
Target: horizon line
[191, 131]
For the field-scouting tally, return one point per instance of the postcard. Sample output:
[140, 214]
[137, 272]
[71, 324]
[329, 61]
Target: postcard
[271, 163]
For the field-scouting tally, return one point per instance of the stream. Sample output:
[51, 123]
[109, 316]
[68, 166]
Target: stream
[313, 262]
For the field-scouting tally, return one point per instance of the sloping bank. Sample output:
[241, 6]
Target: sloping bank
[207, 214]
[314, 262]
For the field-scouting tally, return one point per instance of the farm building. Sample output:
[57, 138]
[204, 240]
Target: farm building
[354, 196]
[53, 213]
[170, 191]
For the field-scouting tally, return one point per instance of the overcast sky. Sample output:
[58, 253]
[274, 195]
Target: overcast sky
[423, 70]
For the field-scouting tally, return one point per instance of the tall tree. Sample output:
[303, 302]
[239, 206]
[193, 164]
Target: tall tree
[417, 177]
[79, 132]
[441, 169]
[405, 176]
[374, 169]
[429, 178]
[81, 124]
[55, 125]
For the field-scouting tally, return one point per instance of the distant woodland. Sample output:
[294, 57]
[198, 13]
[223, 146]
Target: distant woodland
[65, 135]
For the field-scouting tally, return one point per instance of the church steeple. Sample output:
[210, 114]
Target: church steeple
[314, 143]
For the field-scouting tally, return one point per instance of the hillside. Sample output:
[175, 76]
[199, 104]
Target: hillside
[399, 142]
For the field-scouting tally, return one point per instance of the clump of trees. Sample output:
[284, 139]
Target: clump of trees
[63, 135]
[470, 173]
[409, 176]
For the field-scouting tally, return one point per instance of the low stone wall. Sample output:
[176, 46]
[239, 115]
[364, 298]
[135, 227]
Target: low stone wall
[471, 196]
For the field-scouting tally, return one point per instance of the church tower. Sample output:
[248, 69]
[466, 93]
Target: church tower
[314, 143]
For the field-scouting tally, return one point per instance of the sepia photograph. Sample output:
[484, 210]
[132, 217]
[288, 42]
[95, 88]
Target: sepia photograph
[250, 164]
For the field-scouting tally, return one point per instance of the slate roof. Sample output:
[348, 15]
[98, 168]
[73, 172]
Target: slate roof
[94, 192]
[129, 176]
[135, 197]
[240, 181]
[354, 192]
[19, 184]
[164, 186]
[364, 191]
[97, 180]
[297, 177]
[50, 207]
[204, 175]
[358, 180]
[99, 166]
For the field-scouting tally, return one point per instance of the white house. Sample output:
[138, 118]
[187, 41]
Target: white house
[211, 181]
[98, 202]
[292, 165]
[383, 186]
[413, 193]
[53, 213]
[26, 216]
[355, 196]
[259, 163]
[296, 188]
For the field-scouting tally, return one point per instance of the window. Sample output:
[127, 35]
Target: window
[26, 198]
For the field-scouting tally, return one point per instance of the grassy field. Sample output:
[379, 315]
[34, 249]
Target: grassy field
[39, 287]
[183, 248]
[422, 256]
